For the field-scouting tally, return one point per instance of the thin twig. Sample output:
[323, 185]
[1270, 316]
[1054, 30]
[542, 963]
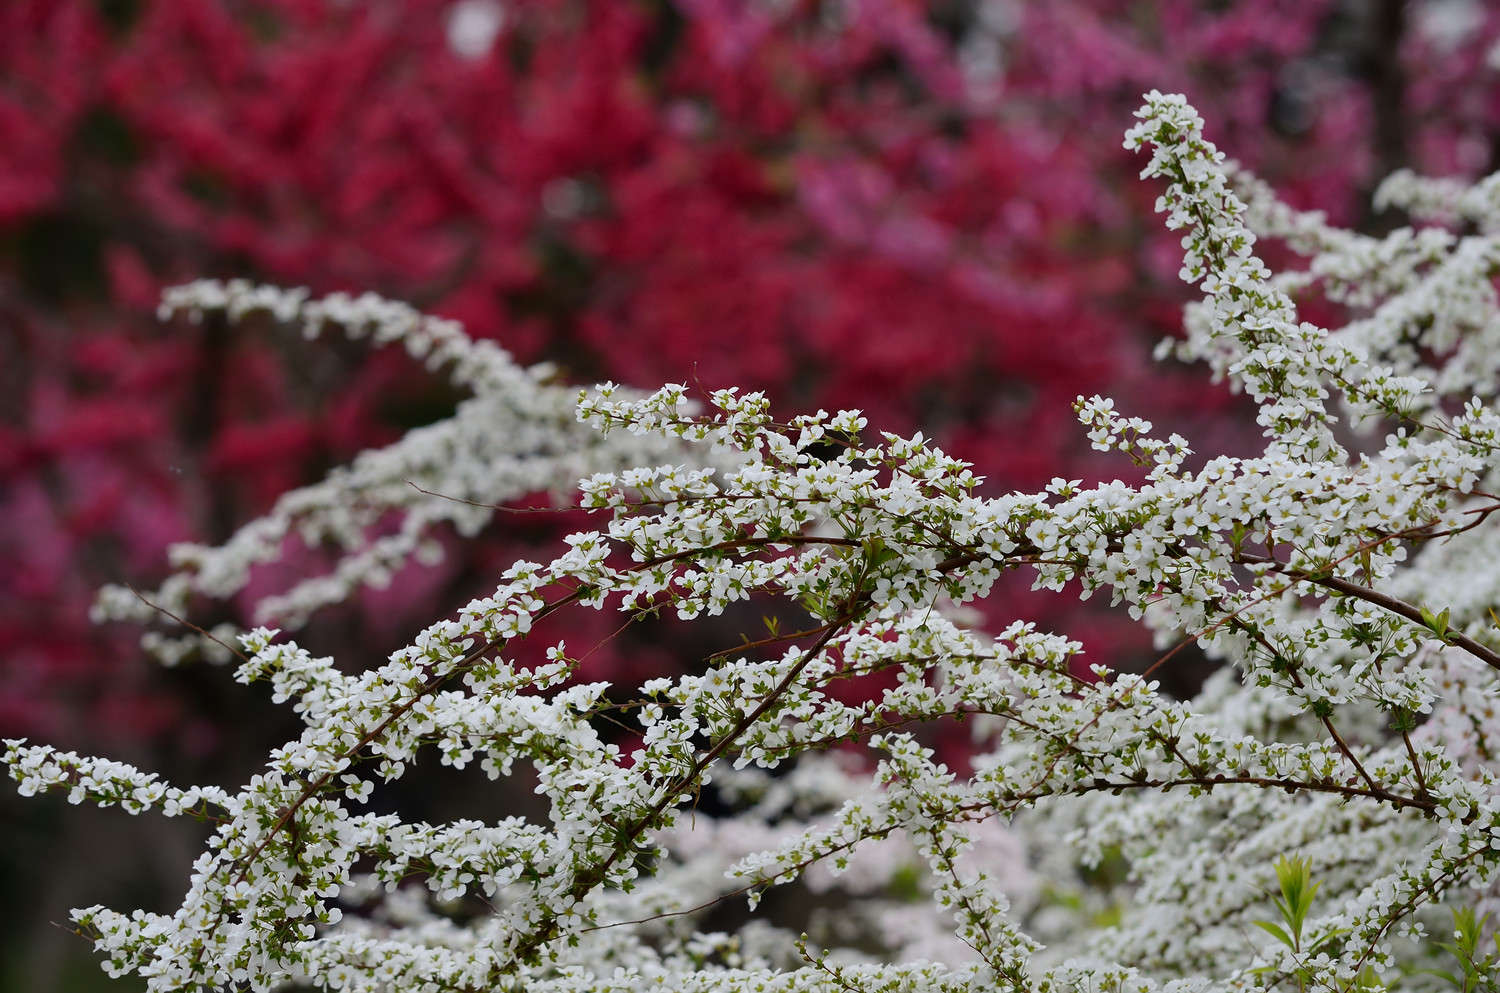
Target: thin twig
[187, 624]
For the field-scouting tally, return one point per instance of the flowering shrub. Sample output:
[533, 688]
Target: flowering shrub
[1343, 753]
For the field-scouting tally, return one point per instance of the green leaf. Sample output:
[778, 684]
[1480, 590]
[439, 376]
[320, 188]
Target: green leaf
[1450, 977]
[1276, 932]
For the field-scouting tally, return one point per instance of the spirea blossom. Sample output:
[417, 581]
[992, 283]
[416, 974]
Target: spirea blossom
[1344, 578]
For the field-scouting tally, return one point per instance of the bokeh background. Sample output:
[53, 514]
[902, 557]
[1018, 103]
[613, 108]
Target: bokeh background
[917, 208]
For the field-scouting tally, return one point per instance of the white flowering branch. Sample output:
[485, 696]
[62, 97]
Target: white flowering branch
[515, 435]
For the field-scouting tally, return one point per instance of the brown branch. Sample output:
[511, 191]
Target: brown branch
[1383, 600]
[1416, 767]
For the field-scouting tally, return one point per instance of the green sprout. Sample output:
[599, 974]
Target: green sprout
[1437, 623]
[1478, 975]
[1294, 876]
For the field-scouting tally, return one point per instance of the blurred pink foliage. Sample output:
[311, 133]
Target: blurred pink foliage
[920, 209]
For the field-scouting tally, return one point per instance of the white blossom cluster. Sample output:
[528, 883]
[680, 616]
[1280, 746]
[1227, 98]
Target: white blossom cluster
[1107, 838]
